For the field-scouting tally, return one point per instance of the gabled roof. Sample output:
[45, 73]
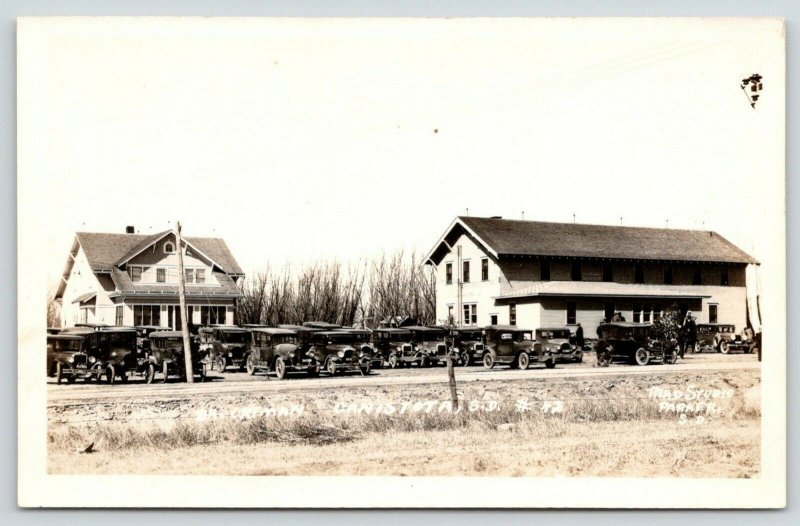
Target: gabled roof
[510, 237]
[104, 251]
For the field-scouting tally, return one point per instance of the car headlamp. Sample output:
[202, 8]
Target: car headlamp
[71, 359]
[341, 354]
[92, 359]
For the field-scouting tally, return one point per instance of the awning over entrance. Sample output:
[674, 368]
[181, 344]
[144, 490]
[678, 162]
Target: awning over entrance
[85, 298]
[599, 289]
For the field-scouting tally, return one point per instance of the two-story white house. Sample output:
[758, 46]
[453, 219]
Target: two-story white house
[132, 279]
[538, 274]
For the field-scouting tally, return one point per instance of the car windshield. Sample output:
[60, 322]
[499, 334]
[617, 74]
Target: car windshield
[59, 345]
[427, 336]
[234, 337]
[555, 334]
[522, 335]
[338, 339]
[120, 339]
[284, 338]
[398, 336]
[470, 335]
[361, 337]
[726, 328]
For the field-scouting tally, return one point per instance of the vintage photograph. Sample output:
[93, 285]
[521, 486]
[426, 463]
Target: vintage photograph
[296, 253]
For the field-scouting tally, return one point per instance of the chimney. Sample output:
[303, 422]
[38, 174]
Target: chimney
[129, 229]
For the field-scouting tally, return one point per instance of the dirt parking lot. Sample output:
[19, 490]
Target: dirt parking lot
[700, 417]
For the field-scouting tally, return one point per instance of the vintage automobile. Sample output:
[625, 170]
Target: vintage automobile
[721, 337]
[143, 334]
[636, 343]
[278, 350]
[304, 335]
[561, 339]
[467, 344]
[166, 356]
[108, 352]
[225, 345]
[396, 348]
[431, 344]
[363, 338]
[61, 350]
[321, 325]
[513, 346]
[337, 351]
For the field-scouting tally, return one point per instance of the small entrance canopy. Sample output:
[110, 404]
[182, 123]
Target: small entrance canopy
[84, 299]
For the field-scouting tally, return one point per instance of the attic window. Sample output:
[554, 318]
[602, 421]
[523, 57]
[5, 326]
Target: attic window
[169, 248]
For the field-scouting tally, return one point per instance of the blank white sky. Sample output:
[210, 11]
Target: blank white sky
[308, 139]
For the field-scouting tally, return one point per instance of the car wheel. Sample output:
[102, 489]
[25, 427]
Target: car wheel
[202, 372]
[280, 368]
[251, 364]
[220, 363]
[165, 372]
[579, 359]
[312, 371]
[58, 373]
[671, 357]
[331, 367]
[523, 361]
[697, 348]
[71, 379]
[642, 356]
[603, 358]
[550, 364]
[365, 367]
[393, 361]
[111, 374]
[488, 361]
[465, 359]
[723, 347]
[150, 373]
[424, 361]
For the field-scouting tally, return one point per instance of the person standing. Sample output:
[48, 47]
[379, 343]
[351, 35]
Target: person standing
[579, 337]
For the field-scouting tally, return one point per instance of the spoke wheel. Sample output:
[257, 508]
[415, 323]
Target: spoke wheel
[723, 347]
[280, 368]
[642, 356]
[550, 364]
[331, 367]
[58, 373]
[424, 361]
[523, 361]
[393, 361]
[251, 364]
[365, 368]
[165, 372]
[488, 361]
[465, 359]
[150, 373]
[220, 364]
[671, 357]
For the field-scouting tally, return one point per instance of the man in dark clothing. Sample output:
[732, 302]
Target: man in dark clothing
[579, 337]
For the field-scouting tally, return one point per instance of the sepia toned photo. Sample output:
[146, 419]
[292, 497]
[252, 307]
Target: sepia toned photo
[402, 262]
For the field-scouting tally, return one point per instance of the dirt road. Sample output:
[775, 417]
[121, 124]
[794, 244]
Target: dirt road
[242, 383]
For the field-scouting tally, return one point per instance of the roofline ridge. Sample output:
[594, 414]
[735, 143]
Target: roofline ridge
[590, 224]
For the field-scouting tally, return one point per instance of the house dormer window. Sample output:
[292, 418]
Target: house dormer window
[169, 248]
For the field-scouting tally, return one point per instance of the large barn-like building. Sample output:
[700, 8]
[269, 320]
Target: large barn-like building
[536, 274]
[132, 279]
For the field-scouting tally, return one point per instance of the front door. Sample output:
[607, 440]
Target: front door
[505, 346]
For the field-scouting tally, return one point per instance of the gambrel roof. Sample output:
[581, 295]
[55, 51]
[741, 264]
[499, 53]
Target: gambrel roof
[510, 237]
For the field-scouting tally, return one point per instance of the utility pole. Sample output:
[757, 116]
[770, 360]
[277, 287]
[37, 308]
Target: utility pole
[451, 371]
[187, 348]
